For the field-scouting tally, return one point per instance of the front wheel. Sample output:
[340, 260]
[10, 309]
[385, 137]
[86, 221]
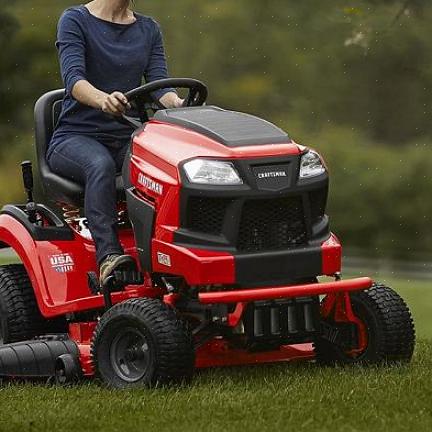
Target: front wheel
[141, 342]
[388, 325]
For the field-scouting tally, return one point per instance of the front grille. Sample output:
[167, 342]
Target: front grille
[206, 214]
[272, 225]
[317, 200]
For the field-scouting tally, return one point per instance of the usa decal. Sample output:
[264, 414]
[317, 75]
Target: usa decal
[62, 263]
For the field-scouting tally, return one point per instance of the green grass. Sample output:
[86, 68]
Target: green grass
[296, 397]
[290, 397]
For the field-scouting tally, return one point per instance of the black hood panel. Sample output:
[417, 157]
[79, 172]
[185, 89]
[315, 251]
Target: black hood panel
[230, 128]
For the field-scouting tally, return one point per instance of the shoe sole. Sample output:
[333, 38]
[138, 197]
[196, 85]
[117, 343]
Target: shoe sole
[121, 264]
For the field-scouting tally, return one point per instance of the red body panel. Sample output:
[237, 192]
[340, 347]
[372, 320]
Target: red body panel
[163, 144]
[198, 266]
[331, 256]
[58, 293]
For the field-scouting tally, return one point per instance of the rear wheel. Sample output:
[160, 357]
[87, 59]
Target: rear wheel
[20, 318]
[141, 342]
[388, 324]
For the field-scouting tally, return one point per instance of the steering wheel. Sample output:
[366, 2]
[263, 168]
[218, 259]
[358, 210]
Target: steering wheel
[142, 98]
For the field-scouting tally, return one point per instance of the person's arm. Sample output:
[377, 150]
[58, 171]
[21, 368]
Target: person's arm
[71, 47]
[157, 69]
[115, 103]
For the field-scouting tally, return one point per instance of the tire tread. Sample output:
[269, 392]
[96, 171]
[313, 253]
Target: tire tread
[23, 318]
[395, 333]
[174, 345]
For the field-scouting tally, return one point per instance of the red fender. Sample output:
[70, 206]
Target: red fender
[14, 235]
[58, 269]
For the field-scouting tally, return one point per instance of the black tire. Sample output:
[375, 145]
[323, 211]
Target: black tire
[20, 318]
[390, 328]
[142, 342]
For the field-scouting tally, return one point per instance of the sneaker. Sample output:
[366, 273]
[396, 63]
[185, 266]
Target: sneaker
[114, 263]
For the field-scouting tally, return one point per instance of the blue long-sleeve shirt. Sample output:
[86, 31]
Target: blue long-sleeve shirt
[112, 57]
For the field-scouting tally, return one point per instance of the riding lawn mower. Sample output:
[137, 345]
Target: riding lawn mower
[225, 216]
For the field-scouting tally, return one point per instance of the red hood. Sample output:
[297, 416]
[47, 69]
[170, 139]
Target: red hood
[173, 144]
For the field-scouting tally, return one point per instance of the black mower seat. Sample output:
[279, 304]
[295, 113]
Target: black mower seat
[233, 129]
[57, 188]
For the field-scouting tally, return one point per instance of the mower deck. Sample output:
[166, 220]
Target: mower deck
[215, 354]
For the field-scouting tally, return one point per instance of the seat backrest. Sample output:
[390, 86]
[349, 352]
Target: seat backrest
[57, 188]
[47, 111]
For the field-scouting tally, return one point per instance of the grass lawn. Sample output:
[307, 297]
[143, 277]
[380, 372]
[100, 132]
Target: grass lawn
[292, 397]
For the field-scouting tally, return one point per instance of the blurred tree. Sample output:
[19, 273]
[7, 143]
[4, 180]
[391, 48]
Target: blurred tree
[10, 99]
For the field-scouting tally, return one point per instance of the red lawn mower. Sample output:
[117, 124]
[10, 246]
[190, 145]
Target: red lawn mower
[225, 216]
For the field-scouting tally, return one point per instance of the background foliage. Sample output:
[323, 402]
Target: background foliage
[352, 79]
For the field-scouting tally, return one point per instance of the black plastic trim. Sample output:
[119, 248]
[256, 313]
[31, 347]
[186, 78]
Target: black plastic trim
[142, 216]
[126, 167]
[280, 267]
[251, 189]
[230, 128]
[59, 230]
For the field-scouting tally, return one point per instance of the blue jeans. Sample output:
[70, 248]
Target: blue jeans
[94, 165]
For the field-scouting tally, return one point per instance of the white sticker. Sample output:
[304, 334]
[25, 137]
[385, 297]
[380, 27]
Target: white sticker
[62, 263]
[272, 174]
[150, 184]
[164, 259]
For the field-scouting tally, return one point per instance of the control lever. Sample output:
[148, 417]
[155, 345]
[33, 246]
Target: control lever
[27, 173]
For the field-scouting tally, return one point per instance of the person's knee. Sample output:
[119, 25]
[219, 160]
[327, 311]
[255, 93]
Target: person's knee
[101, 167]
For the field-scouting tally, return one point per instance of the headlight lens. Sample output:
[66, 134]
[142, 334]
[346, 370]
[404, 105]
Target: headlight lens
[206, 171]
[311, 165]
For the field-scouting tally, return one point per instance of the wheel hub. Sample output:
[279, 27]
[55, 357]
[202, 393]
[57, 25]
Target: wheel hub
[130, 355]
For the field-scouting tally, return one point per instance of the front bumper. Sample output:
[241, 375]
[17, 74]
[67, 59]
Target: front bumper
[286, 344]
[274, 293]
[219, 267]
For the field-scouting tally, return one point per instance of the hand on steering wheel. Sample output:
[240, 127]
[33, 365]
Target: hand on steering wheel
[142, 98]
[171, 100]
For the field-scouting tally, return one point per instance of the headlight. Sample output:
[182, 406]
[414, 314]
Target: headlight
[213, 172]
[311, 165]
